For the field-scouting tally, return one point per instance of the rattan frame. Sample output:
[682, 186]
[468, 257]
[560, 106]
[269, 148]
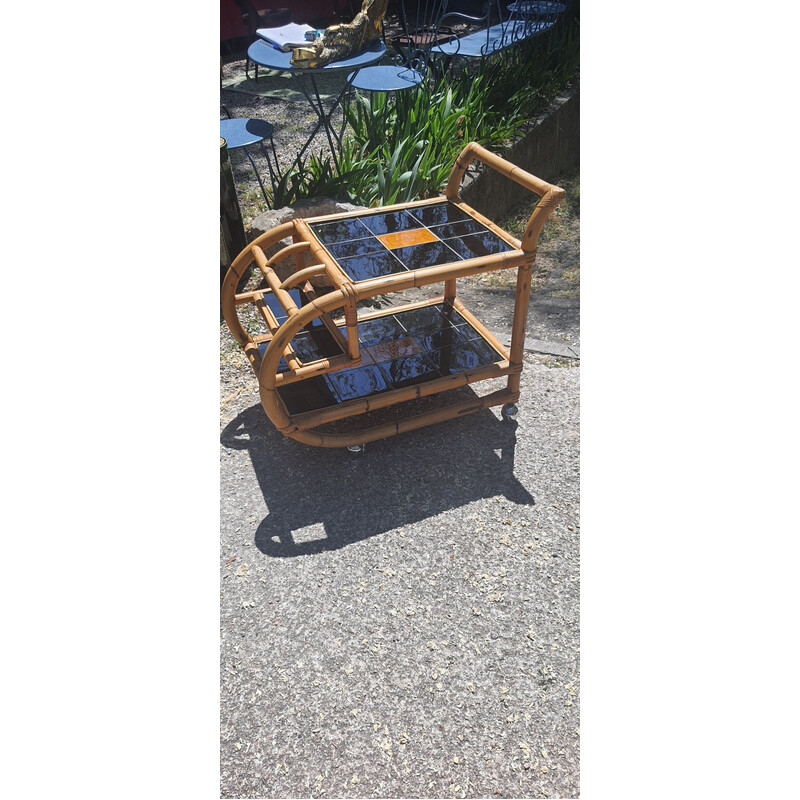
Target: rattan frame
[347, 293]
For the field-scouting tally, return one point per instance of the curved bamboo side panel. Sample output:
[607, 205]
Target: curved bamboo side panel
[267, 373]
[550, 195]
[234, 275]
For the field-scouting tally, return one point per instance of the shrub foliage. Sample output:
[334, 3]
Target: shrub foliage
[401, 148]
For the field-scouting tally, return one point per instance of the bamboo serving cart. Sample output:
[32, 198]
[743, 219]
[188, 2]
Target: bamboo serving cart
[319, 359]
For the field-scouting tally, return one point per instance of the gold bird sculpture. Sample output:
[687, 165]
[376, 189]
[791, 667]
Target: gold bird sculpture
[342, 41]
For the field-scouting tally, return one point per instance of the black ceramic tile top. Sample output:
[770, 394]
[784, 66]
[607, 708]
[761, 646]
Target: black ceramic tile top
[426, 255]
[374, 265]
[362, 381]
[390, 222]
[341, 230]
[409, 371]
[439, 213]
[382, 329]
[462, 228]
[463, 356]
[397, 350]
[307, 395]
[357, 247]
[479, 244]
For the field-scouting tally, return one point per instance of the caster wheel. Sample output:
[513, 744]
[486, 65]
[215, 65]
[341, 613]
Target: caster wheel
[509, 411]
[357, 448]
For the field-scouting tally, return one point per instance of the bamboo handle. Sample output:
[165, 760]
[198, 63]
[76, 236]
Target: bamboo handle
[550, 195]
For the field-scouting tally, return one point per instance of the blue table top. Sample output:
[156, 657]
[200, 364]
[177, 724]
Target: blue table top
[241, 132]
[387, 79]
[265, 55]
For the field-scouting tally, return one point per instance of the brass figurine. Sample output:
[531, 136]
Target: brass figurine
[341, 41]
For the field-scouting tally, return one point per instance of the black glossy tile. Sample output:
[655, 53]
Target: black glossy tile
[339, 231]
[391, 350]
[390, 222]
[305, 348]
[348, 384]
[282, 365]
[316, 322]
[309, 346]
[467, 332]
[453, 316]
[427, 255]
[307, 395]
[422, 320]
[479, 244]
[439, 213]
[374, 265]
[366, 358]
[463, 228]
[463, 356]
[409, 371]
[357, 247]
[276, 308]
[446, 336]
[382, 329]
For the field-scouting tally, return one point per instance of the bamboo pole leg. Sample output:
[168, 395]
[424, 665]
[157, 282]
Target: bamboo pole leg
[519, 326]
[450, 291]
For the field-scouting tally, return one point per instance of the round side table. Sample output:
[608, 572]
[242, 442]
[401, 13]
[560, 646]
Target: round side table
[240, 133]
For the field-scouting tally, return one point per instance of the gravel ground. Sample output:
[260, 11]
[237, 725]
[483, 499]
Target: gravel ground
[293, 122]
[404, 622]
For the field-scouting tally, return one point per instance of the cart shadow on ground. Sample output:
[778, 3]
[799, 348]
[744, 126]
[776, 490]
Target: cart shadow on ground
[322, 499]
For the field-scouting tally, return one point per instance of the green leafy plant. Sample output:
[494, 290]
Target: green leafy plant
[402, 149]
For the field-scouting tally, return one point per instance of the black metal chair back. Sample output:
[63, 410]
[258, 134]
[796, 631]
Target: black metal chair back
[420, 20]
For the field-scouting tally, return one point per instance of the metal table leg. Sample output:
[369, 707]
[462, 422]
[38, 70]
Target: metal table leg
[323, 117]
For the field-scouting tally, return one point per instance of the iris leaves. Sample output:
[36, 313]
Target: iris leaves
[400, 147]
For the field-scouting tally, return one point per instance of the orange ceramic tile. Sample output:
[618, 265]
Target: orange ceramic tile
[407, 238]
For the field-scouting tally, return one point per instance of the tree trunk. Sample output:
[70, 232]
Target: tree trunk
[231, 228]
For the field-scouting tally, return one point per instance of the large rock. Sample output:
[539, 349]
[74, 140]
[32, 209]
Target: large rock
[302, 209]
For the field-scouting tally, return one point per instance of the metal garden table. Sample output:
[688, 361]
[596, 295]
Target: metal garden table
[264, 54]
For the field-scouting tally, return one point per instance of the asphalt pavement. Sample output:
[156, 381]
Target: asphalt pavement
[404, 622]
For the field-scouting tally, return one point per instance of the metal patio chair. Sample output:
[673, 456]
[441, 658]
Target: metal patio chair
[420, 32]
